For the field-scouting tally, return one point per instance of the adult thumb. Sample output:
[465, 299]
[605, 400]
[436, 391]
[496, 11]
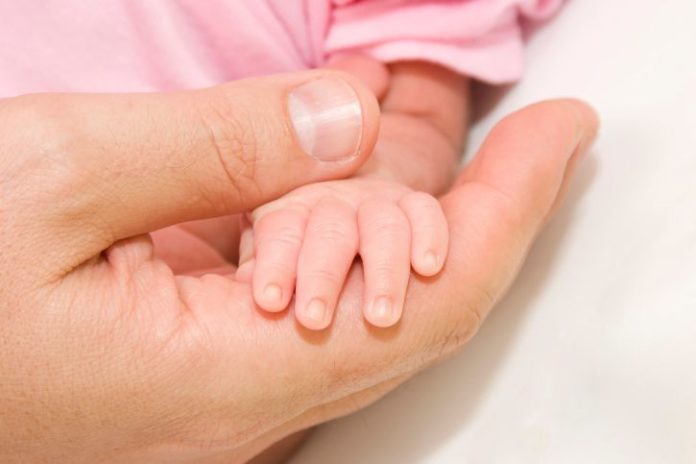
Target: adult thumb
[134, 163]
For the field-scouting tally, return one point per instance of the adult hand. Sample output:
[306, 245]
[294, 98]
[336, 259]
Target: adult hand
[499, 203]
[105, 354]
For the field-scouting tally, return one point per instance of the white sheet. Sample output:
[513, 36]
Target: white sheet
[592, 356]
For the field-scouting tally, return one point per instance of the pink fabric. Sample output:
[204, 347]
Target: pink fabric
[136, 45]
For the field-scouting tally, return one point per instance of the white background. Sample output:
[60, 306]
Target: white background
[592, 356]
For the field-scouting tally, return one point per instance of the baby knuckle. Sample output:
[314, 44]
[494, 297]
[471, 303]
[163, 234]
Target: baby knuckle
[420, 200]
[326, 276]
[277, 269]
[297, 211]
[383, 268]
[387, 228]
[337, 232]
[288, 236]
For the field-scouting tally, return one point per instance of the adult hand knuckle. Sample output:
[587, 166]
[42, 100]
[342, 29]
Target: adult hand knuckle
[232, 139]
[467, 318]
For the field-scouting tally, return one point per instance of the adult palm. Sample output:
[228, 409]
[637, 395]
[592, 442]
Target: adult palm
[109, 354]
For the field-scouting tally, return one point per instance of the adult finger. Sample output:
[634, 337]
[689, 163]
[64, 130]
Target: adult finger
[128, 164]
[494, 214]
[504, 197]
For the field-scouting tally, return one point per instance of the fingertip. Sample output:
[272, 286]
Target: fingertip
[370, 122]
[430, 233]
[314, 315]
[329, 248]
[385, 244]
[569, 114]
[587, 113]
[428, 263]
[587, 123]
[279, 236]
[383, 312]
[370, 112]
[270, 297]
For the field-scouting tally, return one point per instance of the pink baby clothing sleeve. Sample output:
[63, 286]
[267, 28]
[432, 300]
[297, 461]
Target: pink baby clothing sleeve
[480, 38]
[138, 45]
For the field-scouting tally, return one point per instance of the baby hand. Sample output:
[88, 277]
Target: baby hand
[307, 241]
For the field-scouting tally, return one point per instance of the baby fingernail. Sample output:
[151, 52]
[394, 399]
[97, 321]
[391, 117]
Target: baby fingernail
[272, 293]
[382, 311]
[316, 312]
[430, 261]
[327, 117]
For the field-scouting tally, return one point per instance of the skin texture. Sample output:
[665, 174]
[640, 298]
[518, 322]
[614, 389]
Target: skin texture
[308, 239]
[319, 228]
[109, 355]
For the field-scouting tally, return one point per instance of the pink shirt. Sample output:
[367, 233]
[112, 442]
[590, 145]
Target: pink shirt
[147, 45]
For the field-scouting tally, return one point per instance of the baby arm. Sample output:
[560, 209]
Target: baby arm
[425, 116]
[308, 239]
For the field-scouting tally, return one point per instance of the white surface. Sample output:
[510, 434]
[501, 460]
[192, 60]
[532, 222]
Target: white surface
[592, 356]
